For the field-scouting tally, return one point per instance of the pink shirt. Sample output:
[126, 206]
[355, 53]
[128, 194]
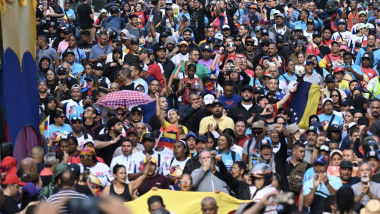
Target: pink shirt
[62, 46]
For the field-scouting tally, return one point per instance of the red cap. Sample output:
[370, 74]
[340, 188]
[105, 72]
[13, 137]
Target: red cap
[8, 165]
[338, 69]
[13, 179]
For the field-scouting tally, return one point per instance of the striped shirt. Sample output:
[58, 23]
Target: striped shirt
[66, 193]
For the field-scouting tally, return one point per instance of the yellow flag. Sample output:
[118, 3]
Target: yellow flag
[180, 202]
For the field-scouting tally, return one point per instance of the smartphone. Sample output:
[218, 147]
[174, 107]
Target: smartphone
[284, 198]
[86, 173]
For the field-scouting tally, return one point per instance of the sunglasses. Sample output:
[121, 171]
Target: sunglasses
[237, 40]
[257, 132]
[334, 95]
[230, 45]
[249, 45]
[62, 117]
[76, 118]
[265, 44]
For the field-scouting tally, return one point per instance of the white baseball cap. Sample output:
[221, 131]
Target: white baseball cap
[208, 99]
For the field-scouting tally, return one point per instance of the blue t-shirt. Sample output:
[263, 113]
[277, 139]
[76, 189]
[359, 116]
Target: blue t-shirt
[229, 102]
[325, 120]
[79, 55]
[56, 133]
[227, 158]
[322, 190]
[288, 78]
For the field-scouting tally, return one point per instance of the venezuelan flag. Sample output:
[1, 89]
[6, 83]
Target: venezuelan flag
[304, 103]
[44, 126]
[169, 136]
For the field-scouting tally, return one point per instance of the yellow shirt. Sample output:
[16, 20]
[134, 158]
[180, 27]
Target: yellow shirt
[223, 123]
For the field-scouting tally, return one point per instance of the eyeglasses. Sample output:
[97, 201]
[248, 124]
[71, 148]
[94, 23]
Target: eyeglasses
[230, 45]
[185, 181]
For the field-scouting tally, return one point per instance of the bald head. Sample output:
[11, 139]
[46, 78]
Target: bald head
[209, 206]
[28, 165]
[37, 154]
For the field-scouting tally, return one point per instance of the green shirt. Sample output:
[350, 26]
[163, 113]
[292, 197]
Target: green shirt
[202, 71]
[74, 6]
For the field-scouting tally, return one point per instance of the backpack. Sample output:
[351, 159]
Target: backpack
[296, 177]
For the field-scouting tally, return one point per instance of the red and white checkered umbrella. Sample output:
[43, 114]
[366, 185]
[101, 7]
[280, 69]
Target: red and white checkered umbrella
[124, 98]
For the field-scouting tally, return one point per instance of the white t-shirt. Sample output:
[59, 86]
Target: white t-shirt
[270, 209]
[126, 161]
[82, 139]
[347, 36]
[176, 59]
[138, 162]
[109, 57]
[166, 154]
[101, 171]
[73, 108]
[175, 165]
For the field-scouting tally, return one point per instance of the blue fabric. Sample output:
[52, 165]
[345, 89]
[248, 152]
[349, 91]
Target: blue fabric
[97, 51]
[227, 158]
[325, 119]
[19, 95]
[229, 102]
[149, 110]
[322, 190]
[115, 23]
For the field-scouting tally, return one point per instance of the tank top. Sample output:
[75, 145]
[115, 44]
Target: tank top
[126, 196]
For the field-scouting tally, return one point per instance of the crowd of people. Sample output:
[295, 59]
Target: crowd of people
[221, 75]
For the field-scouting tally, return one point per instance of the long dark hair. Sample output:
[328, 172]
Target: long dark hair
[318, 69]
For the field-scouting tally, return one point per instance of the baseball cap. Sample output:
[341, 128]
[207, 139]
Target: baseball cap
[98, 66]
[316, 34]
[253, 7]
[75, 168]
[216, 102]
[312, 129]
[362, 13]
[207, 48]
[136, 108]
[88, 141]
[341, 21]
[330, 78]
[257, 28]
[8, 165]
[67, 31]
[264, 143]
[320, 159]
[135, 41]
[144, 67]
[247, 87]
[152, 160]
[148, 136]
[258, 125]
[325, 148]
[293, 128]
[61, 71]
[280, 38]
[309, 61]
[144, 50]
[131, 130]
[326, 100]
[191, 134]
[346, 164]
[338, 69]
[208, 99]
[366, 55]
[30, 189]
[219, 36]
[225, 27]
[372, 154]
[336, 151]
[334, 128]
[201, 138]
[74, 117]
[297, 28]
[347, 102]
[264, 31]
[310, 21]
[183, 43]
[280, 15]
[12, 178]
[168, 1]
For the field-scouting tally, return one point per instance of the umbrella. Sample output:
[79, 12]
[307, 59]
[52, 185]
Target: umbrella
[124, 98]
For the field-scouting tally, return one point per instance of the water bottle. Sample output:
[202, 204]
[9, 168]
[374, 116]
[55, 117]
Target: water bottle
[196, 85]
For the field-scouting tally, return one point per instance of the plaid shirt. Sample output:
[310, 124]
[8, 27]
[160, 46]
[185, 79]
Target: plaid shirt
[191, 165]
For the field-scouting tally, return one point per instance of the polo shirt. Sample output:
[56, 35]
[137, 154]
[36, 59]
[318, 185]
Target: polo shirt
[224, 122]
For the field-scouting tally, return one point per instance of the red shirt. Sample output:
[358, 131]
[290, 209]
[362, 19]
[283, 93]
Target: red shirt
[233, 56]
[370, 72]
[155, 71]
[243, 140]
[312, 48]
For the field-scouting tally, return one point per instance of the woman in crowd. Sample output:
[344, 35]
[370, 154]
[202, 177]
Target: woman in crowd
[173, 168]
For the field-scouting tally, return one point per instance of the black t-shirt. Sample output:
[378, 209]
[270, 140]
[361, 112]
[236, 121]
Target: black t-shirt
[131, 59]
[58, 10]
[84, 11]
[9, 206]
[84, 190]
[130, 87]
[107, 152]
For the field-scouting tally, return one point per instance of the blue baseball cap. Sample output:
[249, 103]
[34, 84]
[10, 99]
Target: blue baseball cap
[320, 159]
[191, 134]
